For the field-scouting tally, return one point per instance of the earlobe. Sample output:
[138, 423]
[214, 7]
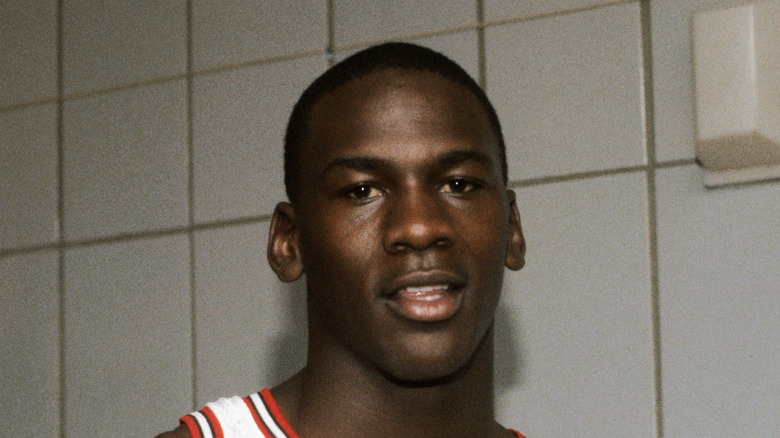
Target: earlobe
[515, 245]
[284, 255]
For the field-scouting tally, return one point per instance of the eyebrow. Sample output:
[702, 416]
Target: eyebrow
[448, 159]
[456, 157]
[358, 163]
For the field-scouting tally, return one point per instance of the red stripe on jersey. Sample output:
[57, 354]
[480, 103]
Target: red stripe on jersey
[277, 413]
[214, 422]
[256, 417]
[519, 435]
[192, 426]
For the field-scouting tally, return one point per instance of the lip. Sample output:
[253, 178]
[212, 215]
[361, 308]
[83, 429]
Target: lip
[426, 296]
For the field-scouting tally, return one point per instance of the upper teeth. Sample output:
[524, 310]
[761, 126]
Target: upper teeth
[421, 289]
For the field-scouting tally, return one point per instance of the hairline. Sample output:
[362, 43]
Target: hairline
[344, 74]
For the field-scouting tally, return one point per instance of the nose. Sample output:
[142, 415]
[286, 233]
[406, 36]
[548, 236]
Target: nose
[417, 221]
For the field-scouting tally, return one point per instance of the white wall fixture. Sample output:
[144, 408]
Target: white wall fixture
[736, 63]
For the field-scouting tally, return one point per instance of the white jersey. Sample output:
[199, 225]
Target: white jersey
[254, 416]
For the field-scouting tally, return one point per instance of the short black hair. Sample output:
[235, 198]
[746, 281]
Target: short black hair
[394, 55]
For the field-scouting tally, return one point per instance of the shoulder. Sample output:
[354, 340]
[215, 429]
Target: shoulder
[514, 434]
[179, 432]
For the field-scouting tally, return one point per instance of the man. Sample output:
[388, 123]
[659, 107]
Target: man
[400, 218]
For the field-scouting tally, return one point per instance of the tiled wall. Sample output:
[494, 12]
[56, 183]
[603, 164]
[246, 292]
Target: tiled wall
[140, 158]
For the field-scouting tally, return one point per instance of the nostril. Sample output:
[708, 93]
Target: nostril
[417, 228]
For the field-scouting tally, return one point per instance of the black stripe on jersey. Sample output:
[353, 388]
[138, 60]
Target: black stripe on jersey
[197, 423]
[257, 412]
[271, 414]
[208, 421]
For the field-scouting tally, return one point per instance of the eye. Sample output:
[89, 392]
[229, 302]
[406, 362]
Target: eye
[457, 186]
[362, 192]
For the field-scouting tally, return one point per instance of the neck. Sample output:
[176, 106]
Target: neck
[350, 399]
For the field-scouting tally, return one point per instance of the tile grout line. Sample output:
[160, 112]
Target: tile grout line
[130, 236]
[480, 26]
[331, 32]
[28, 104]
[240, 221]
[77, 95]
[556, 13]
[652, 213]
[544, 180]
[191, 214]
[675, 163]
[484, 25]
[481, 65]
[60, 106]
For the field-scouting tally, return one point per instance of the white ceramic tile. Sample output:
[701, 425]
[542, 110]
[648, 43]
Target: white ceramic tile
[127, 337]
[115, 42]
[239, 121]
[28, 37]
[506, 9]
[28, 176]
[240, 31]
[568, 91]
[357, 21]
[125, 161]
[30, 351]
[244, 313]
[719, 269]
[462, 47]
[673, 102]
[574, 352]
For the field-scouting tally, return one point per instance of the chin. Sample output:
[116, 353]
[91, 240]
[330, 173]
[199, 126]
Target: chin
[421, 376]
[431, 368]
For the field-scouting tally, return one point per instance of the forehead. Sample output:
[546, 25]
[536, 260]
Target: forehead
[397, 105]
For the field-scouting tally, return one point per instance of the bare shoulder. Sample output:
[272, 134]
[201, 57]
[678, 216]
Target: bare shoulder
[179, 432]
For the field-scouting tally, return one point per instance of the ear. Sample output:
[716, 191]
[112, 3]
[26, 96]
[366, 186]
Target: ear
[284, 254]
[515, 245]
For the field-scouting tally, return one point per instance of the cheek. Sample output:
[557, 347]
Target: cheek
[340, 283]
[338, 229]
[337, 252]
[485, 232]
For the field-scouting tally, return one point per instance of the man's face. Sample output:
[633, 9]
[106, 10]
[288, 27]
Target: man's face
[404, 223]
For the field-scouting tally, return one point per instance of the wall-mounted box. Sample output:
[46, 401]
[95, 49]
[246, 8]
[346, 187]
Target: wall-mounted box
[737, 73]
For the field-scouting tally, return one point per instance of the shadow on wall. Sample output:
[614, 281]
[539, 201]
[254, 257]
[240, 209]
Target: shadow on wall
[288, 354]
[509, 351]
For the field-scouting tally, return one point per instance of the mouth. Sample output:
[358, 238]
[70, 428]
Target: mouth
[426, 297]
[424, 293]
